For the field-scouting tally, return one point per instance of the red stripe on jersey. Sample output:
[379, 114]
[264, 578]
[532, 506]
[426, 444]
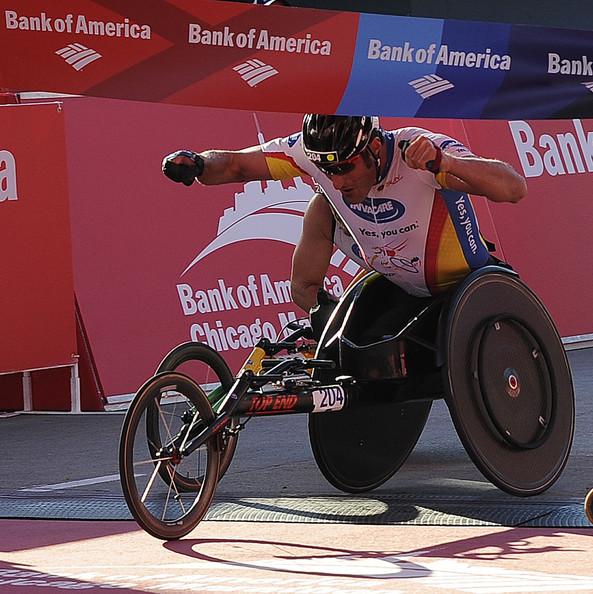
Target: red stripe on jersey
[438, 218]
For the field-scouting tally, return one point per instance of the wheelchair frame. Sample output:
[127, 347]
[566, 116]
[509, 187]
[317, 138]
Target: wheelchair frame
[267, 386]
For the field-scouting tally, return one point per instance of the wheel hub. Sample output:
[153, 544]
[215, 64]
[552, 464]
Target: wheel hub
[513, 384]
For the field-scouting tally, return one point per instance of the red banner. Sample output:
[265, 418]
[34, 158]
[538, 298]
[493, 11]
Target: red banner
[547, 236]
[205, 53]
[289, 59]
[37, 297]
[157, 263]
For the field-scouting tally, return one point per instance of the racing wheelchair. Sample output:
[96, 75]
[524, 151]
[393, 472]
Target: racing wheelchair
[488, 347]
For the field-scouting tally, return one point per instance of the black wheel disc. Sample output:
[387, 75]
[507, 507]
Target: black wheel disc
[514, 383]
[508, 383]
[360, 448]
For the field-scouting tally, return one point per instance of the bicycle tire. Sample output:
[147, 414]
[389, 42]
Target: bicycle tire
[160, 509]
[197, 351]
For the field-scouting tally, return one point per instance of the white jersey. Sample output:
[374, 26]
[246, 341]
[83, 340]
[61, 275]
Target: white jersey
[422, 237]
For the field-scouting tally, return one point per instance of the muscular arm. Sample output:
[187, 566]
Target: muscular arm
[312, 254]
[216, 166]
[496, 180]
[221, 167]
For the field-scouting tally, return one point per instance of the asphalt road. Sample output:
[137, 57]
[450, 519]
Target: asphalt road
[273, 457]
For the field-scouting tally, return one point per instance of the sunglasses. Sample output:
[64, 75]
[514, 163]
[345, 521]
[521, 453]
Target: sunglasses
[338, 168]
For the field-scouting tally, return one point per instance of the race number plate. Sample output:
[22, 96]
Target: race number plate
[328, 398]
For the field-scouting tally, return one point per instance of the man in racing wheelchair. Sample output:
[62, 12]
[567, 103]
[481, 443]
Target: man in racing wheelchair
[393, 201]
[459, 325]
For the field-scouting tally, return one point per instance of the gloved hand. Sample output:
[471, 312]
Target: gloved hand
[183, 166]
[319, 314]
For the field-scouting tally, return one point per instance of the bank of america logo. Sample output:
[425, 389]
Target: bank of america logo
[589, 85]
[430, 85]
[255, 71]
[78, 55]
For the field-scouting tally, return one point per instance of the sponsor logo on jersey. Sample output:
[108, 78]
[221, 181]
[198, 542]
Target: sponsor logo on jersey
[291, 140]
[394, 180]
[449, 143]
[356, 251]
[378, 210]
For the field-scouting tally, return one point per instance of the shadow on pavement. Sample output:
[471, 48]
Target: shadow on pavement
[514, 543]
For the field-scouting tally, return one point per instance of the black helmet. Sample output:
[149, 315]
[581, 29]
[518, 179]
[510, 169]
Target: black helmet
[330, 139]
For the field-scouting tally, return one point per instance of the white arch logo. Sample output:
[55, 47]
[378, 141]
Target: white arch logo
[267, 211]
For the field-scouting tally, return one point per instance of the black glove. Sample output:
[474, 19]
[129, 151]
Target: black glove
[319, 314]
[184, 173]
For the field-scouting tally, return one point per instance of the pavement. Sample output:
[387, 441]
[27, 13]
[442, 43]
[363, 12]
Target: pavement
[277, 526]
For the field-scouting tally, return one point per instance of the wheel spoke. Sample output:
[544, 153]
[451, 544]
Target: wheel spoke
[152, 461]
[174, 492]
[150, 481]
[178, 498]
[162, 417]
[194, 421]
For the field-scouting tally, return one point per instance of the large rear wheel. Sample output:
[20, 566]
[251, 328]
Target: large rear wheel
[508, 383]
[360, 448]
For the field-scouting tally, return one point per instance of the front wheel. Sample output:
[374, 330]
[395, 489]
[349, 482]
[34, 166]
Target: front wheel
[158, 504]
[208, 369]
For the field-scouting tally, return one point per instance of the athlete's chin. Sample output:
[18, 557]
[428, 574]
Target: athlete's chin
[353, 197]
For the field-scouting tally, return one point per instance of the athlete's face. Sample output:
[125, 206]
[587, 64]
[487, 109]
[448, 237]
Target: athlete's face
[355, 177]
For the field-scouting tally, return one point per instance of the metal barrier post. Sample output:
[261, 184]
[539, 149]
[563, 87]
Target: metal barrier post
[74, 389]
[27, 392]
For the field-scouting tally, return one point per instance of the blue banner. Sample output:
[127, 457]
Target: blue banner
[287, 59]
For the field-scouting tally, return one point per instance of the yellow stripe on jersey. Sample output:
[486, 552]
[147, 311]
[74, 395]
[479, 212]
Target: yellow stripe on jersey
[441, 178]
[451, 266]
[282, 166]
